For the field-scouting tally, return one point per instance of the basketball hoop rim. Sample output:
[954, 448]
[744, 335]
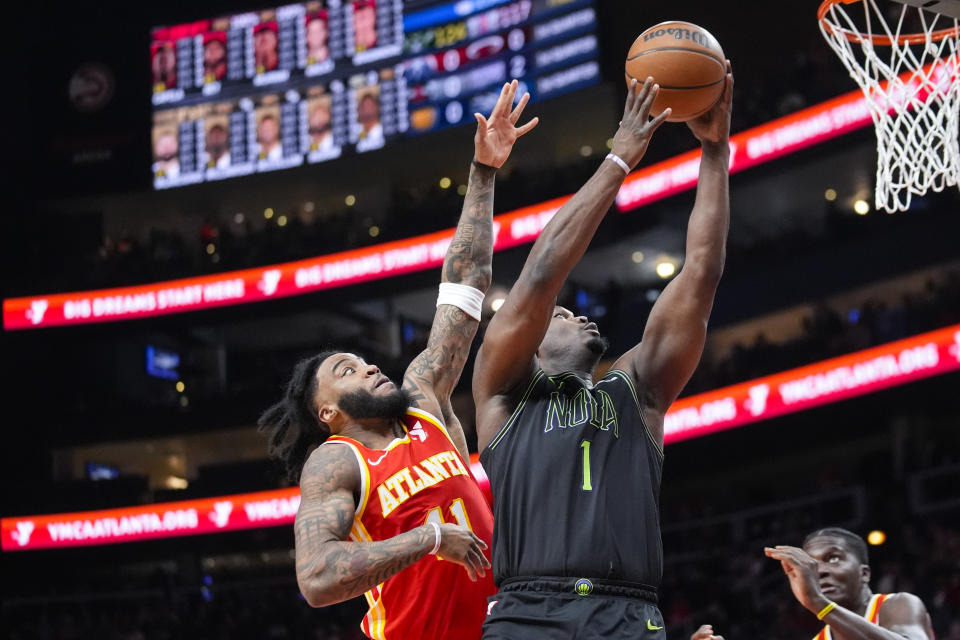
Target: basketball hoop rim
[883, 39]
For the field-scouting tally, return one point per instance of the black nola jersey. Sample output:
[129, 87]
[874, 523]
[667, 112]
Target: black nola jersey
[575, 476]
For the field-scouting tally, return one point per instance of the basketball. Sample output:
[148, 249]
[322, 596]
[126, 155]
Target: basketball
[686, 61]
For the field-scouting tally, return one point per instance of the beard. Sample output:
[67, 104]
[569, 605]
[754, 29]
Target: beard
[598, 345]
[361, 404]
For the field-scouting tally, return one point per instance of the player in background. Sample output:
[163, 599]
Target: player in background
[830, 577]
[388, 492]
[575, 464]
[705, 632]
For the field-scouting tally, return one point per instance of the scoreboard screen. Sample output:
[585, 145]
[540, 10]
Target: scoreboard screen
[309, 82]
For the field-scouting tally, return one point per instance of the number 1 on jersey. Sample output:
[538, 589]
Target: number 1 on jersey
[585, 445]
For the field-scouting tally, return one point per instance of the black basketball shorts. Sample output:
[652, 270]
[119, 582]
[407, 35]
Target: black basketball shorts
[569, 608]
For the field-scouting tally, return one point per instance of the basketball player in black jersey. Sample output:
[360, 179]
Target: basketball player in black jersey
[574, 463]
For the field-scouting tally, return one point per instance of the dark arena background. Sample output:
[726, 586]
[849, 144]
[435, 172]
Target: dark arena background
[167, 257]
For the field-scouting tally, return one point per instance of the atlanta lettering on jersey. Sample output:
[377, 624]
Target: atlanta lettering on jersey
[399, 487]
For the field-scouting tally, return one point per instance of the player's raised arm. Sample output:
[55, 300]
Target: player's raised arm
[330, 568]
[676, 330]
[432, 376]
[506, 358]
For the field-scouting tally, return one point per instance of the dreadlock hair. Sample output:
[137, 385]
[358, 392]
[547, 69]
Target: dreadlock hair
[292, 426]
[854, 542]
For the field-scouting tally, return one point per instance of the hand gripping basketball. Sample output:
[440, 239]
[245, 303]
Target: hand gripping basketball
[714, 125]
[459, 544]
[636, 127]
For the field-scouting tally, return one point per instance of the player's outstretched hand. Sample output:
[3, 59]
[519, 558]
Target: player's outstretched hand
[705, 632]
[496, 134]
[803, 573]
[459, 544]
[636, 127]
[714, 125]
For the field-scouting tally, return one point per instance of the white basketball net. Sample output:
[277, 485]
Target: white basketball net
[915, 116]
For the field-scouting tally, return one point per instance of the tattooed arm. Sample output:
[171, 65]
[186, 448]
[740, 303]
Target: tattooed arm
[432, 376]
[330, 568]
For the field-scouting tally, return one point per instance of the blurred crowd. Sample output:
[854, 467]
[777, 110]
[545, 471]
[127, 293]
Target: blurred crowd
[235, 612]
[252, 239]
[828, 332]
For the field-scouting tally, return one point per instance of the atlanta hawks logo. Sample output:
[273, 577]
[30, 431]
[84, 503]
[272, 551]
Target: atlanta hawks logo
[23, 533]
[221, 513]
[269, 281]
[36, 311]
[418, 432]
[757, 403]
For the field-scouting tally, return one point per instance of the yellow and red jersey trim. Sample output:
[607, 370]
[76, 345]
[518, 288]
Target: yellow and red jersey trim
[432, 419]
[873, 610]
[364, 473]
[375, 621]
[872, 614]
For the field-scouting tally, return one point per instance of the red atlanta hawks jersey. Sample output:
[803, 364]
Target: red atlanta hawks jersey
[417, 479]
[872, 614]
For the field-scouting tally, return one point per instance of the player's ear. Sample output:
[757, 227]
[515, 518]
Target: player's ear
[865, 574]
[328, 412]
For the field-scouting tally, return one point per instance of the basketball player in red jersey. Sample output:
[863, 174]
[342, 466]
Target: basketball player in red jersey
[830, 577]
[388, 507]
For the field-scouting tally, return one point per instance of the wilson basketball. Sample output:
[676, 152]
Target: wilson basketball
[686, 61]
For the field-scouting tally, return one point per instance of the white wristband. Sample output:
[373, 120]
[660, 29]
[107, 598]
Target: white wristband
[436, 545]
[619, 161]
[464, 297]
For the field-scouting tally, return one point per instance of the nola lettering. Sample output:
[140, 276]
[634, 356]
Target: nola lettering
[564, 412]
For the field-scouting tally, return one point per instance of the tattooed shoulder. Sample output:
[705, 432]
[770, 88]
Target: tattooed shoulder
[330, 468]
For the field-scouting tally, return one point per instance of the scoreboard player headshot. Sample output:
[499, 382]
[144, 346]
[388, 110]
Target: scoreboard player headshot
[320, 123]
[368, 114]
[364, 24]
[268, 135]
[164, 65]
[317, 36]
[166, 153]
[217, 144]
[214, 57]
[265, 46]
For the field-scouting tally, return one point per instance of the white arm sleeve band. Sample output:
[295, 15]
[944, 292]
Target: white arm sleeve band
[465, 298]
